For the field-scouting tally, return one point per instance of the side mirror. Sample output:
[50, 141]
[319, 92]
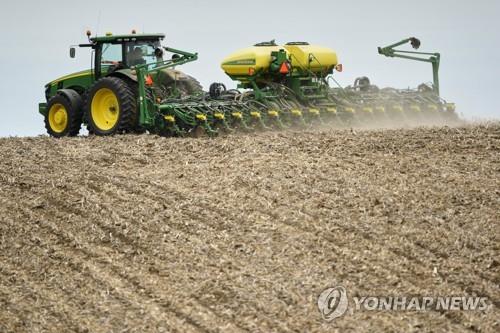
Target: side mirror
[72, 52]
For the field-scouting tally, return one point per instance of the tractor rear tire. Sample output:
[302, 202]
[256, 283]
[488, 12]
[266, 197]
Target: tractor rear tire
[137, 128]
[111, 107]
[62, 118]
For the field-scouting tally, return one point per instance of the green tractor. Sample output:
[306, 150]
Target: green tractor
[108, 98]
[133, 88]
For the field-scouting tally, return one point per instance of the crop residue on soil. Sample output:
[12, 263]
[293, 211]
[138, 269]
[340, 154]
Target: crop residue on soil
[242, 233]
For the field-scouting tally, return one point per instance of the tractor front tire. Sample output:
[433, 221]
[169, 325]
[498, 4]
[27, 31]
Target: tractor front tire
[111, 107]
[62, 118]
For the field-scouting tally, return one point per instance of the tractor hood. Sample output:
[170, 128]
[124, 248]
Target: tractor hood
[85, 74]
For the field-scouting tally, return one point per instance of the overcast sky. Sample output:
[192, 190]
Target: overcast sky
[37, 36]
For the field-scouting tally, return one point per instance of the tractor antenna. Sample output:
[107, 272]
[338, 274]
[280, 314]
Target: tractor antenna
[98, 23]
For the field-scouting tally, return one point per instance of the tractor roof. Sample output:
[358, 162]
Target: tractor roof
[118, 38]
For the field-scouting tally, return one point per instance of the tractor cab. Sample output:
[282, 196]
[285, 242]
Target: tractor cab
[122, 91]
[112, 53]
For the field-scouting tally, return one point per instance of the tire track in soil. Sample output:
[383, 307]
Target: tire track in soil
[221, 254]
[490, 280]
[126, 241]
[455, 318]
[223, 211]
[415, 246]
[92, 268]
[105, 270]
[414, 284]
[61, 312]
[16, 316]
[60, 204]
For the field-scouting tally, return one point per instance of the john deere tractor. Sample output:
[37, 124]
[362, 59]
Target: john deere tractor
[108, 97]
[133, 87]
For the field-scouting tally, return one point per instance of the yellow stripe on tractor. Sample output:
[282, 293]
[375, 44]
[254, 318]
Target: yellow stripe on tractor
[72, 76]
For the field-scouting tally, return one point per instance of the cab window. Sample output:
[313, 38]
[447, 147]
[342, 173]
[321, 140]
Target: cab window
[142, 52]
[111, 54]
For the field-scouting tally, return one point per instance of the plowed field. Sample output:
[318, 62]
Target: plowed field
[242, 233]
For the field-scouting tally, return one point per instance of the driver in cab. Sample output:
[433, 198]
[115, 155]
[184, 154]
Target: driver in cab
[135, 57]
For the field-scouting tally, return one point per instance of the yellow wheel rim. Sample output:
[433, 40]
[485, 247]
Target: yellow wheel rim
[105, 109]
[58, 118]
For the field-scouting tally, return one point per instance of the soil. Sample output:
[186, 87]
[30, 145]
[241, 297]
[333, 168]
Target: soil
[138, 233]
